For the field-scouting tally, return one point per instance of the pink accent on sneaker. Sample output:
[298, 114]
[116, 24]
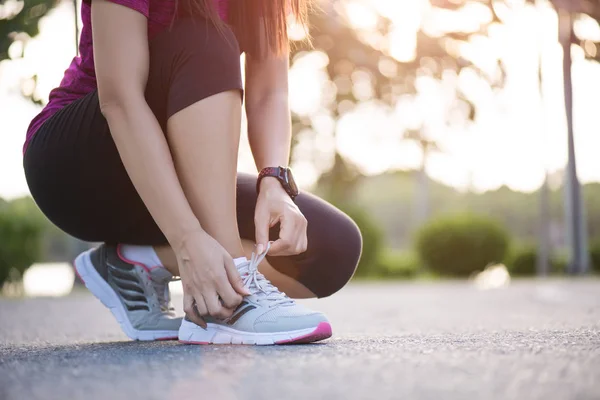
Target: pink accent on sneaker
[122, 257]
[167, 338]
[77, 273]
[321, 332]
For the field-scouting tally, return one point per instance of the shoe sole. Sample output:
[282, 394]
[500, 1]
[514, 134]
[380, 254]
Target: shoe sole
[102, 291]
[190, 333]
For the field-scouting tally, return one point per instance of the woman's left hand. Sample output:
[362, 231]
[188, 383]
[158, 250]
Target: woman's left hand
[274, 206]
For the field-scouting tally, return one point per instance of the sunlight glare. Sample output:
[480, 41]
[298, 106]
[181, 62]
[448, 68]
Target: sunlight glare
[10, 8]
[469, 18]
[306, 78]
[361, 16]
[296, 31]
[403, 44]
[52, 279]
[586, 27]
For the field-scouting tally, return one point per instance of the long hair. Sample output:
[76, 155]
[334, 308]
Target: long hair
[260, 25]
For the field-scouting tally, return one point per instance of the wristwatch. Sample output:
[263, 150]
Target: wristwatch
[283, 175]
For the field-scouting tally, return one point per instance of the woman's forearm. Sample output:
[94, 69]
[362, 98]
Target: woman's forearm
[147, 159]
[269, 130]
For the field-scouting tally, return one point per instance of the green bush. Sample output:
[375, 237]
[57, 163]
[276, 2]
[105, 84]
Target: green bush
[372, 237]
[559, 263]
[20, 242]
[522, 261]
[595, 255]
[398, 264]
[460, 245]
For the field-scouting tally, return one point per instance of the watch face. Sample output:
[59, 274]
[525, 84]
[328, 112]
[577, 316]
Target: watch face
[289, 178]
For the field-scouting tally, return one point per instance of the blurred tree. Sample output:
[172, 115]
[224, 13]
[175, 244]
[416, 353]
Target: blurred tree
[20, 240]
[389, 199]
[19, 22]
[575, 212]
[55, 245]
[360, 68]
[422, 199]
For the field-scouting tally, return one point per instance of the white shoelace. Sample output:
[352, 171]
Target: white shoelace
[260, 286]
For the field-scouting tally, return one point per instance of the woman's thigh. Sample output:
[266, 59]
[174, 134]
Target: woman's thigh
[76, 177]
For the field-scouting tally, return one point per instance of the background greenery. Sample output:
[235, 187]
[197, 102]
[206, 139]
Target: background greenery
[394, 247]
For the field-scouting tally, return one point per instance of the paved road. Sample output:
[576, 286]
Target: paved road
[533, 340]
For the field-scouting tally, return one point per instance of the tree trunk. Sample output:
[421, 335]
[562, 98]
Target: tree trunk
[422, 193]
[544, 246]
[574, 212]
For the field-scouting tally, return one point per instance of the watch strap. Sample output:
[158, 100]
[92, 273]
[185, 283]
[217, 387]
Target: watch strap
[276, 172]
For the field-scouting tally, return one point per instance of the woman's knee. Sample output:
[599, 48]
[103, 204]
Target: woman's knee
[336, 257]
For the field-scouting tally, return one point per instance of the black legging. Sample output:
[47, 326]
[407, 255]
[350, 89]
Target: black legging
[76, 176]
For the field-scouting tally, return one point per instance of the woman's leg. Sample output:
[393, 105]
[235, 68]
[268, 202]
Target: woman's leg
[333, 252]
[202, 119]
[204, 139]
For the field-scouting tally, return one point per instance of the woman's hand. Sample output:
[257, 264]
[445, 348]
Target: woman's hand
[211, 282]
[274, 206]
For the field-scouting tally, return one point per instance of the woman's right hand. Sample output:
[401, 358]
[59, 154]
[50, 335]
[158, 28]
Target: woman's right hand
[212, 285]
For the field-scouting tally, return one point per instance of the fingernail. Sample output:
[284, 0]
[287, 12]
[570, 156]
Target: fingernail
[259, 248]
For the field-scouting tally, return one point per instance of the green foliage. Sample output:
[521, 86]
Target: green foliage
[522, 261]
[372, 240]
[389, 198]
[595, 255]
[398, 264]
[460, 245]
[20, 241]
[559, 263]
[24, 19]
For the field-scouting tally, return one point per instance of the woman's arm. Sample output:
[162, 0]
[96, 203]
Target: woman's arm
[268, 110]
[269, 131]
[121, 62]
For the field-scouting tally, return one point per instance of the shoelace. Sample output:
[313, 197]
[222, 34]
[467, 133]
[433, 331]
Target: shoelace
[260, 286]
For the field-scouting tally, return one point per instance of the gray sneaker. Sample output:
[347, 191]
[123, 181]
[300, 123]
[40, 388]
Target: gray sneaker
[137, 296]
[266, 317]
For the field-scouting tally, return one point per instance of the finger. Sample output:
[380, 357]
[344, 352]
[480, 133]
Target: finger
[191, 312]
[234, 278]
[229, 297]
[302, 244]
[298, 237]
[215, 308]
[280, 247]
[261, 223]
[284, 244]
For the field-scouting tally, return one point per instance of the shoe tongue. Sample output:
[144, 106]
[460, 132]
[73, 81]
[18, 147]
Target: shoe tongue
[241, 262]
[160, 275]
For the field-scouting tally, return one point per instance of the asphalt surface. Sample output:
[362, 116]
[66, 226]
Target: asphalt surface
[532, 340]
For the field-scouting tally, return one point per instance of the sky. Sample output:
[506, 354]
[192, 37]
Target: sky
[515, 138]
